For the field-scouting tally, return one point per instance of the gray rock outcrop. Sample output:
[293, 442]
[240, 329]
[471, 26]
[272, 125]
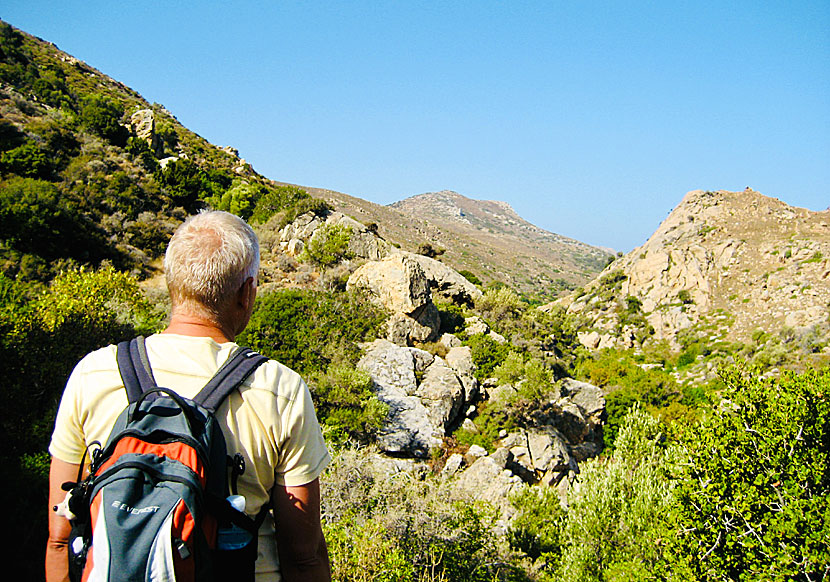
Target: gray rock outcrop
[420, 413]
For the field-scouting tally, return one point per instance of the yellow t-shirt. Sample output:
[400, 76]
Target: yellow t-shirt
[270, 420]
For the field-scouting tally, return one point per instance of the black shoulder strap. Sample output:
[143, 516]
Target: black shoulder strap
[229, 377]
[134, 368]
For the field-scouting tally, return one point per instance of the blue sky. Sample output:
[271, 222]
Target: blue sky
[592, 119]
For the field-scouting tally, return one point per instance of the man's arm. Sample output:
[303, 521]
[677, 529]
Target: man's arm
[57, 557]
[300, 543]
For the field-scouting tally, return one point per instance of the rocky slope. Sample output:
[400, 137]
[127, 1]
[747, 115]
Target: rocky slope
[724, 265]
[485, 237]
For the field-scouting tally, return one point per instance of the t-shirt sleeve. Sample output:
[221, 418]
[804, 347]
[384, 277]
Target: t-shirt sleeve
[67, 439]
[304, 455]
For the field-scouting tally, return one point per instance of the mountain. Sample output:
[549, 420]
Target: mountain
[723, 267]
[486, 238]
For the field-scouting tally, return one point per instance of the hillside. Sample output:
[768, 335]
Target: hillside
[723, 267]
[486, 238]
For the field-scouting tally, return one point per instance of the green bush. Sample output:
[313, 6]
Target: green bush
[346, 404]
[27, 160]
[471, 277]
[536, 529]
[615, 525]
[309, 330]
[36, 218]
[328, 245]
[278, 199]
[41, 339]
[487, 354]
[102, 116]
[396, 527]
[500, 303]
[754, 489]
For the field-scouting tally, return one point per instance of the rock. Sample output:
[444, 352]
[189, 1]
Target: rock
[572, 423]
[403, 329]
[477, 451]
[587, 397]
[397, 283]
[487, 480]
[363, 243]
[453, 465]
[460, 359]
[295, 247]
[143, 124]
[423, 359]
[496, 337]
[442, 393]
[589, 339]
[449, 341]
[165, 161]
[544, 453]
[469, 425]
[446, 282]
[408, 428]
[475, 326]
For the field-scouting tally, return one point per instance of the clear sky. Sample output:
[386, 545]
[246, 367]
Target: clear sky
[592, 119]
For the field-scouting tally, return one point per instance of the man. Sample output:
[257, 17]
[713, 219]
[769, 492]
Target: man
[211, 268]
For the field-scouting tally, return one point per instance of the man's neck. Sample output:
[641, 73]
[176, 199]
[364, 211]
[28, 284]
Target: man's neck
[194, 326]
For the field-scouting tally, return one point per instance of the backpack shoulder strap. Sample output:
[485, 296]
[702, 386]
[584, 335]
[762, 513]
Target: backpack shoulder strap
[134, 367]
[229, 377]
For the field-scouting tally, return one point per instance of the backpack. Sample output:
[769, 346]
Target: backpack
[157, 493]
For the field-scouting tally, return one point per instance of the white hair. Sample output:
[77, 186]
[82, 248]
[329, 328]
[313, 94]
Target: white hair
[208, 259]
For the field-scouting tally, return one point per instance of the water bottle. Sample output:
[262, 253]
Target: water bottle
[234, 537]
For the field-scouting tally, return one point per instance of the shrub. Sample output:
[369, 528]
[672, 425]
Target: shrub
[102, 116]
[396, 527]
[487, 354]
[500, 303]
[430, 251]
[754, 489]
[616, 525]
[36, 218]
[328, 245]
[471, 277]
[27, 160]
[309, 330]
[40, 342]
[346, 403]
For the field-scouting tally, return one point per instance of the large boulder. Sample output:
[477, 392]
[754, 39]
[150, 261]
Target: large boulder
[589, 399]
[143, 124]
[488, 479]
[446, 282]
[541, 454]
[397, 283]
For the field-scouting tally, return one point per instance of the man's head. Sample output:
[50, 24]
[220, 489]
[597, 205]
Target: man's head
[208, 260]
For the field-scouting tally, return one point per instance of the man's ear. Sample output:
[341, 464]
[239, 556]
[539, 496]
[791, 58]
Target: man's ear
[245, 296]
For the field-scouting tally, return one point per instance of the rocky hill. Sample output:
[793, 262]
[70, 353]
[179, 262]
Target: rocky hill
[724, 266]
[484, 237]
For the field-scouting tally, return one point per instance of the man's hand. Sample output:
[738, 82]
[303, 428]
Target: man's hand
[300, 543]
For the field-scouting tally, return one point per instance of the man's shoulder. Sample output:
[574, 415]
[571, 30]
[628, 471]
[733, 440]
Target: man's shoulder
[102, 359]
[278, 378]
